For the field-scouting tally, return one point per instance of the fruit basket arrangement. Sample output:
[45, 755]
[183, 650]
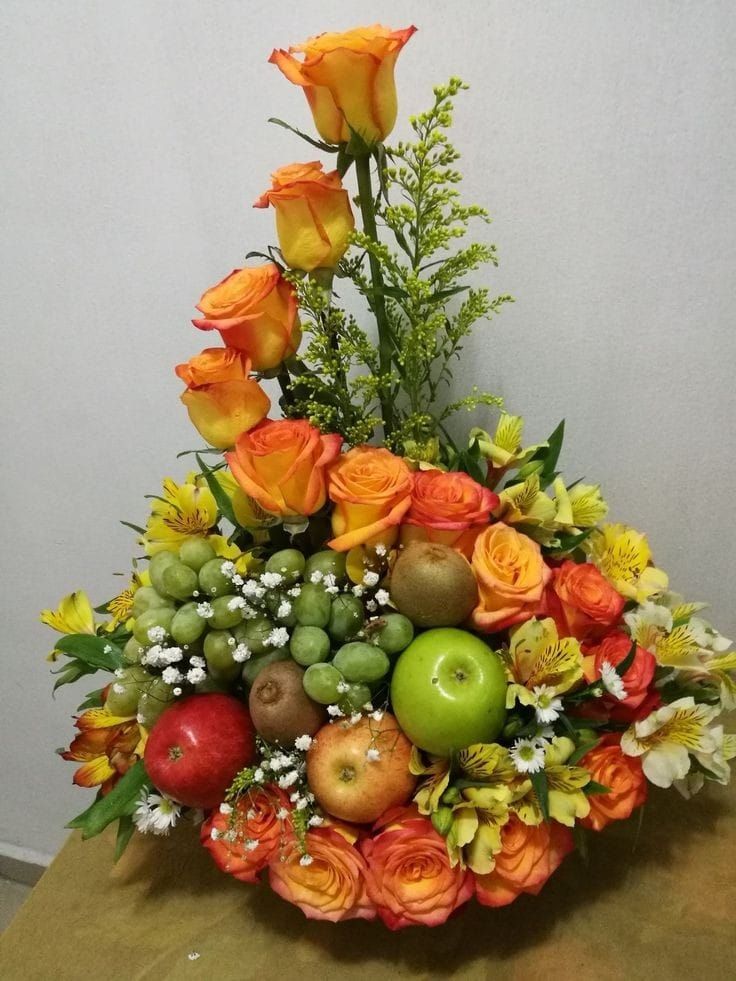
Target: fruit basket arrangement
[383, 667]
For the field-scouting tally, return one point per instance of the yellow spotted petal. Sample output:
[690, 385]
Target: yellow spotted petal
[74, 615]
[537, 656]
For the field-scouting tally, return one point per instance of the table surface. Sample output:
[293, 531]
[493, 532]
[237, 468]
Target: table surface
[655, 904]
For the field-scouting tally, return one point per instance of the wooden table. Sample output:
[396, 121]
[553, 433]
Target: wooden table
[660, 907]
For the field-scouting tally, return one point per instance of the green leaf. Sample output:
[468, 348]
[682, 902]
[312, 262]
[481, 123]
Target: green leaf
[93, 700]
[119, 802]
[125, 833]
[224, 503]
[593, 787]
[71, 671]
[205, 449]
[129, 524]
[623, 666]
[580, 836]
[568, 543]
[580, 752]
[554, 446]
[97, 652]
[541, 791]
[320, 144]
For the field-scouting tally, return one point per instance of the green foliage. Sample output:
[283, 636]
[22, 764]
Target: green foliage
[87, 654]
[120, 802]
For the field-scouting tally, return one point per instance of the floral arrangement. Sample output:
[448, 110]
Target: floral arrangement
[384, 668]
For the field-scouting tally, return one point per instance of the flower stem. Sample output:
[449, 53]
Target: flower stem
[378, 305]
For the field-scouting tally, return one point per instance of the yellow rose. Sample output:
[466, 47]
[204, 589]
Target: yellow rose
[221, 399]
[313, 215]
[348, 80]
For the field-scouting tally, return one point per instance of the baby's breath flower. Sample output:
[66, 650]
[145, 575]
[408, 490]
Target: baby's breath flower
[335, 711]
[371, 579]
[372, 755]
[382, 597]
[205, 611]
[303, 742]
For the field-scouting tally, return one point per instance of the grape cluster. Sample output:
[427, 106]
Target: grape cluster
[202, 626]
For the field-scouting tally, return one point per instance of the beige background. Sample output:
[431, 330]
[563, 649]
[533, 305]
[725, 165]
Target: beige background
[134, 140]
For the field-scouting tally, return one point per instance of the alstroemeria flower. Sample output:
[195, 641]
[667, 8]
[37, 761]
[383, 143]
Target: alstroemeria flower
[107, 746]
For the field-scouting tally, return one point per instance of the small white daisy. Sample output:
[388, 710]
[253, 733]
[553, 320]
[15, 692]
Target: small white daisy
[156, 813]
[547, 706]
[527, 756]
[612, 681]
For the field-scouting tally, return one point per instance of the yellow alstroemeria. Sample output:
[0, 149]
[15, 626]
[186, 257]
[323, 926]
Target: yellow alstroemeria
[504, 449]
[623, 556]
[475, 835]
[566, 798]
[73, 615]
[182, 511]
[582, 506]
[665, 739]
[107, 746]
[526, 503]
[722, 668]
[248, 513]
[436, 779]
[537, 656]
[120, 607]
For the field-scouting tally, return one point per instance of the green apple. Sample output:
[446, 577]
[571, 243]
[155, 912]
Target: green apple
[449, 691]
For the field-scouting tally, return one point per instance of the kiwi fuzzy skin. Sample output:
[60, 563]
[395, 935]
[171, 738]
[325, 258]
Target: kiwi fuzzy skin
[280, 708]
[433, 585]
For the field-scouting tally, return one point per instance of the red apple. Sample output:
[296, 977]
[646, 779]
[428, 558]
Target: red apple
[197, 746]
[357, 772]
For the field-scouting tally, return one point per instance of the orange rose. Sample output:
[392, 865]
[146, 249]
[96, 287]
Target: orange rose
[528, 857]
[581, 601]
[623, 774]
[410, 878]
[348, 80]
[450, 508]
[638, 677]
[222, 401]
[313, 215]
[255, 311]
[511, 578]
[331, 885]
[371, 491]
[244, 843]
[281, 465]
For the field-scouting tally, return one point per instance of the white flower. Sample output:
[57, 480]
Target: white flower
[649, 614]
[288, 779]
[205, 611]
[119, 673]
[156, 635]
[527, 756]
[380, 549]
[377, 715]
[315, 821]
[171, 655]
[371, 579]
[118, 688]
[371, 606]
[196, 675]
[214, 834]
[236, 603]
[194, 955]
[251, 590]
[258, 775]
[272, 579]
[382, 597]
[156, 813]
[335, 711]
[372, 755]
[107, 649]
[228, 569]
[284, 609]
[303, 742]
[547, 706]
[316, 576]
[358, 590]
[172, 675]
[342, 686]
[197, 662]
[355, 718]
[251, 844]
[241, 653]
[612, 681]
[226, 808]
[294, 591]
[305, 860]
[279, 637]
[282, 814]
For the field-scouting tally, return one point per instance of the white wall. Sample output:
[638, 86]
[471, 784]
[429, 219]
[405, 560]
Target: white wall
[600, 135]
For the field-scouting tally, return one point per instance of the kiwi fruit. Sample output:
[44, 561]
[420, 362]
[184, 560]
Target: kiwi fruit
[280, 708]
[433, 585]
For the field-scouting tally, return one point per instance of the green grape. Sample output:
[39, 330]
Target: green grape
[253, 634]
[159, 562]
[289, 563]
[212, 582]
[154, 701]
[146, 598]
[222, 616]
[355, 698]
[308, 645]
[122, 698]
[211, 684]
[329, 563]
[347, 617]
[254, 665]
[361, 662]
[395, 632]
[162, 617]
[218, 652]
[195, 552]
[312, 606]
[320, 683]
[179, 580]
[187, 625]
[132, 651]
